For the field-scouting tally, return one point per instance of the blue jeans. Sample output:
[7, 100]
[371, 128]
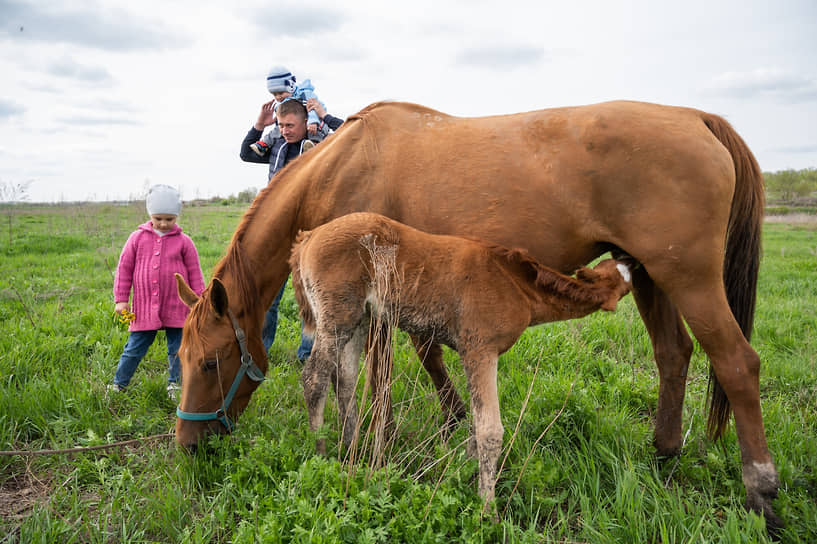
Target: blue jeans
[271, 324]
[136, 348]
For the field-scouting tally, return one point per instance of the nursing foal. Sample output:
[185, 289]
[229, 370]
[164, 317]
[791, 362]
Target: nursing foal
[476, 298]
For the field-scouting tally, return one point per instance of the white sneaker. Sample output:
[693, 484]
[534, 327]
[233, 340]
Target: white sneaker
[173, 391]
[115, 388]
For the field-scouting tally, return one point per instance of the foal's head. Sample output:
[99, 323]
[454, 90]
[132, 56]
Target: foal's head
[611, 277]
[211, 358]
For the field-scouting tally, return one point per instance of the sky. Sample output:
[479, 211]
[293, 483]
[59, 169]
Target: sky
[99, 100]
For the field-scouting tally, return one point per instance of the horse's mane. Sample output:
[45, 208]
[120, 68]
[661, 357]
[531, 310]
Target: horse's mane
[236, 265]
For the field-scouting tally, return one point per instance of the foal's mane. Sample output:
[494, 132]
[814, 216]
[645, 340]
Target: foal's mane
[546, 278]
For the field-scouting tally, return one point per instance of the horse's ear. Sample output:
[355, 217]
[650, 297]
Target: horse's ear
[218, 298]
[188, 296]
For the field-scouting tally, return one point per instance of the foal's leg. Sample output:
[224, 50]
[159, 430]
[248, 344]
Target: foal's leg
[737, 367]
[672, 349]
[346, 381]
[315, 377]
[481, 371]
[431, 355]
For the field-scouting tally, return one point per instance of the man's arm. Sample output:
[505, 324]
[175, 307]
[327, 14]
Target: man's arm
[331, 121]
[247, 154]
[266, 117]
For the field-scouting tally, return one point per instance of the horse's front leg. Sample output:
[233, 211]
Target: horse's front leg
[488, 430]
[431, 355]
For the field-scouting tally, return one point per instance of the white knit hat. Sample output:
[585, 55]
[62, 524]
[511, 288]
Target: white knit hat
[280, 79]
[163, 199]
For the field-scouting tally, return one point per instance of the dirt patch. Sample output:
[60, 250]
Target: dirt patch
[20, 494]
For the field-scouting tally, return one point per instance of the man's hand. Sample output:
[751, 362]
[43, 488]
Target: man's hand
[266, 117]
[313, 104]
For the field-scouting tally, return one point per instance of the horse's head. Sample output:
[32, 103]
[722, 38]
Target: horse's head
[615, 275]
[218, 360]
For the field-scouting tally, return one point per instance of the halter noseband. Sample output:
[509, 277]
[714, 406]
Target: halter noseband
[247, 367]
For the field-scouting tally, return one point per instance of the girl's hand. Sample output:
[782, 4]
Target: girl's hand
[123, 313]
[312, 128]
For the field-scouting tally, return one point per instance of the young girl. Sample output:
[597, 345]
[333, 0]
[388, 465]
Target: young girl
[152, 254]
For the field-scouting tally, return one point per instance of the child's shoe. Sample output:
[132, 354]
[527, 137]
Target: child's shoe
[307, 145]
[173, 391]
[115, 388]
[260, 148]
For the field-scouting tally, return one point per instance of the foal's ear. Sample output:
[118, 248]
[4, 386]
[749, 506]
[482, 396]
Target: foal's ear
[218, 298]
[188, 296]
[587, 274]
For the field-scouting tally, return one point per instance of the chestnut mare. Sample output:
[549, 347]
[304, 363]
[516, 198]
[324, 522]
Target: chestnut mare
[675, 188]
[363, 269]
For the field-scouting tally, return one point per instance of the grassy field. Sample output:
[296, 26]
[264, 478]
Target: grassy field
[577, 401]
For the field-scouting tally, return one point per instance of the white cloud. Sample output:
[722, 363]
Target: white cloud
[127, 91]
[9, 108]
[765, 83]
[505, 55]
[90, 24]
[67, 67]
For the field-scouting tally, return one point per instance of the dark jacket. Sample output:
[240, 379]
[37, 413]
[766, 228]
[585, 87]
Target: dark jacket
[280, 152]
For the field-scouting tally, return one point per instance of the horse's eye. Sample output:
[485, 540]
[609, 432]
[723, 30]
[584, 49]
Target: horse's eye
[210, 364]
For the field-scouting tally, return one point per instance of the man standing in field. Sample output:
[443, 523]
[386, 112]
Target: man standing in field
[292, 120]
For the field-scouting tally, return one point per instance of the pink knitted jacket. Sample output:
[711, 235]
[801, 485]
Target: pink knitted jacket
[147, 264]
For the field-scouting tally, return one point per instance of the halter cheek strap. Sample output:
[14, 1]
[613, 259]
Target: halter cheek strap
[247, 367]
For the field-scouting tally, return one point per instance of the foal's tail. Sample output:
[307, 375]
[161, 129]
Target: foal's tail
[307, 316]
[742, 257]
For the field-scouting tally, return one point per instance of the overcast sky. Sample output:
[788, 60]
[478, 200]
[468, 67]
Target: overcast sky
[99, 97]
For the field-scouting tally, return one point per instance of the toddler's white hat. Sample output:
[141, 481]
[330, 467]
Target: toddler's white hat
[280, 79]
[163, 199]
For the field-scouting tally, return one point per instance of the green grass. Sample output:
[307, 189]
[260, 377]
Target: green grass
[580, 467]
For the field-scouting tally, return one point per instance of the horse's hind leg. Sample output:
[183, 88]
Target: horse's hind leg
[431, 355]
[737, 369]
[672, 349]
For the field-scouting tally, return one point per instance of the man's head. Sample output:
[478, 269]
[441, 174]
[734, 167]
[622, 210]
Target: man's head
[292, 120]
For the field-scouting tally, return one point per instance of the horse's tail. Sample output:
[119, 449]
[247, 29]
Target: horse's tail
[307, 316]
[742, 256]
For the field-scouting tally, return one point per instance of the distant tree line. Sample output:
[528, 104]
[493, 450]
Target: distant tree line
[792, 186]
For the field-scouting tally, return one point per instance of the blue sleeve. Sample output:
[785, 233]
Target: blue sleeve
[332, 122]
[304, 95]
[247, 154]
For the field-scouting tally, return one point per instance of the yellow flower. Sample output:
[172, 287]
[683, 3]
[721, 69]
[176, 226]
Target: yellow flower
[126, 317]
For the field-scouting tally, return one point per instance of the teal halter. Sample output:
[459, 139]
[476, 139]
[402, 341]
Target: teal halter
[247, 367]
